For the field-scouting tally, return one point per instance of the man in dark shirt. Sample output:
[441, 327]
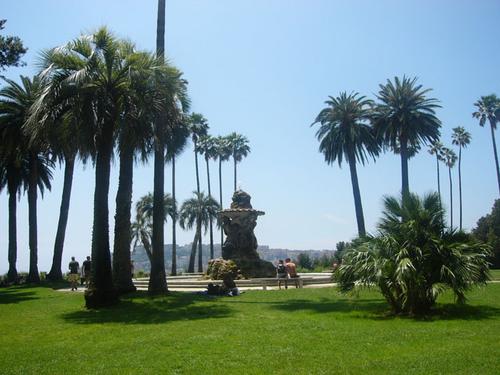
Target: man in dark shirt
[87, 266]
[73, 273]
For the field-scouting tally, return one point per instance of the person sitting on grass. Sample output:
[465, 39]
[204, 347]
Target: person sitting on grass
[281, 274]
[291, 269]
[73, 273]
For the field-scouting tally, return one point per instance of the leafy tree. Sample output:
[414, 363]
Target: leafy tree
[405, 119]
[304, 260]
[197, 212]
[344, 133]
[488, 231]
[239, 149]
[461, 138]
[11, 49]
[450, 158]
[488, 108]
[413, 259]
[208, 148]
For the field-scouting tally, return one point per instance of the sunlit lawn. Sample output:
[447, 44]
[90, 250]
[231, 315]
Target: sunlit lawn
[298, 331]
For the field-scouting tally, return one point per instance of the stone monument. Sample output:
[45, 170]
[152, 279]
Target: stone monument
[240, 246]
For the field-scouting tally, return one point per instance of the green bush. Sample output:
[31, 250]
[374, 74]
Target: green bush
[218, 268]
[414, 259]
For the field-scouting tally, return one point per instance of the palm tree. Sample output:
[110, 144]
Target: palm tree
[135, 137]
[239, 149]
[488, 108]
[450, 158]
[142, 228]
[404, 119]
[413, 259]
[197, 210]
[176, 141]
[97, 66]
[436, 148]
[461, 138]
[207, 148]
[158, 280]
[344, 133]
[223, 153]
[16, 101]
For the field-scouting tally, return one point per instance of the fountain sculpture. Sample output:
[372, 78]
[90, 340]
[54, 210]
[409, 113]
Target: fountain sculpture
[240, 246]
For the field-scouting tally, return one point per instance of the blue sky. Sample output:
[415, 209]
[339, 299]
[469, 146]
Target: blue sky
[264, 68]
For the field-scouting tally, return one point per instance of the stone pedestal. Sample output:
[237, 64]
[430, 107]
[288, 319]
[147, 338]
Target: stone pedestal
[240, 246]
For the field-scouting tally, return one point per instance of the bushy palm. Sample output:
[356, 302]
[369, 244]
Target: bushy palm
[405, 119]
[413, 259]
[461, 138]
[488, 109]
[197, 212]
[344, 133]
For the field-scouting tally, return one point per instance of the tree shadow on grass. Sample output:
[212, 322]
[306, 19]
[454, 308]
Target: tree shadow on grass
[454, 311]
[138, 308]
[16, 295]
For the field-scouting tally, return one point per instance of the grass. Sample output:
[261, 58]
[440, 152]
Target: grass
[299, 331]
[495, 275]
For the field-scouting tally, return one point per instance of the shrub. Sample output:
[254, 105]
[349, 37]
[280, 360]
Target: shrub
[218, 268]
[413, 259]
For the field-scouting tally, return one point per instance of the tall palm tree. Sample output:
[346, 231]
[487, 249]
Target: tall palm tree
[450, 158]
[488, 108]
[16, 101]
[176, 141]
[239, 149]
[461, 138]
[207, 148]
[135, 136]
[158, 280]
[199, 127]
[96, 64]
[345, 133]
[223, 154]
[404, 119]
[197, 211]
[436, 148]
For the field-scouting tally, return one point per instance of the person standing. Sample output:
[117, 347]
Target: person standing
[291, 270]
[87, 267]
[73, 273]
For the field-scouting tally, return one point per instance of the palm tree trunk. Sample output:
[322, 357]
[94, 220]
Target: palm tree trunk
[210, 222]
[405, 185]
[198, 190]
[460, 182]
[357, 196]
[235, 173]
[438, 179]
[495, 153]
[122, 270]
[157, 279]
[193, 253]
[33, 275]
[12, 273]
[451, 199]
[200, 253]
[174, 223]
[220, 200]
[55, 273]
[101, 292]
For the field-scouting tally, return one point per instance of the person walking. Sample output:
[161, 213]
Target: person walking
[86, 268]
[73, 273]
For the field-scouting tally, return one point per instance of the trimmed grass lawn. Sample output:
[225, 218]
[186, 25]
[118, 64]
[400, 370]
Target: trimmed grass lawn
[297, 331]
[495, 274]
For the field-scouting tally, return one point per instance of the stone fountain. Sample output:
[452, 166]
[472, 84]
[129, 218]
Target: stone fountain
[240, 246]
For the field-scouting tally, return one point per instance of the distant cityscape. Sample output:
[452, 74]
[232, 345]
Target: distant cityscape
[141, 261]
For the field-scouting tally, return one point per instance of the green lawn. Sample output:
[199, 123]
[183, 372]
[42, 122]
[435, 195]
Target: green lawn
[495, 275]
[298, 331]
